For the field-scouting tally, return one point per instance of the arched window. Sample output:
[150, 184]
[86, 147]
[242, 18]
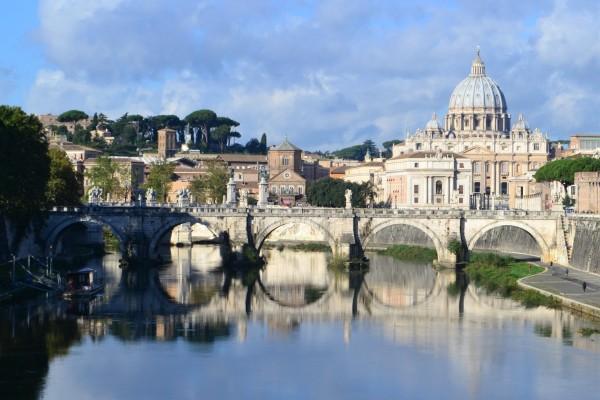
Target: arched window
[438, 187]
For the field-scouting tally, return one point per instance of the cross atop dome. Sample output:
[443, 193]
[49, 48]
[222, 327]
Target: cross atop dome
[478, 66]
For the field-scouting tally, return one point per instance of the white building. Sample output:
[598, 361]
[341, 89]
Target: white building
[428, 179]
[478, 127]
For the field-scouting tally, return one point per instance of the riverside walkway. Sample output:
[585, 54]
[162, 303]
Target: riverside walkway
[568, 287]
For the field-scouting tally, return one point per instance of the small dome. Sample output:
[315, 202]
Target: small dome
[477, 91]
[433, 124]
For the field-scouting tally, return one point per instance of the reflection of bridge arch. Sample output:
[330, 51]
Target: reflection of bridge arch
[265, 232]
[433, 292]
[439, 247]
[160, 233]
[322, 299]
[57, 230]
[499, 224]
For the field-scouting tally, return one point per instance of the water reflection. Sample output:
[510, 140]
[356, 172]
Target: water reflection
[295, 298]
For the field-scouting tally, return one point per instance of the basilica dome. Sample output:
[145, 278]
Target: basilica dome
[477, 91]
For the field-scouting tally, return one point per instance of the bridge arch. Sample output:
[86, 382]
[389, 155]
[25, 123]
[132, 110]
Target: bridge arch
[167, 227]
[264, 233]
[539, 239]
[55, 231]
[437, 242]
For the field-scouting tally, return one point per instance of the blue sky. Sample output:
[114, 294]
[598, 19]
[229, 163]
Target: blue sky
[324, 73]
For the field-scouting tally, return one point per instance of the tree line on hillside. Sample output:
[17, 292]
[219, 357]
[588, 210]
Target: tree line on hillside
[358, 152]
[203, 130]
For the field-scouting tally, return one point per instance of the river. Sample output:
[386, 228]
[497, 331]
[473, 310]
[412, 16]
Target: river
[295, 330]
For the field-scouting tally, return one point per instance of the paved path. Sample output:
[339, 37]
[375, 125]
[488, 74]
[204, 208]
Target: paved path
[556, 281]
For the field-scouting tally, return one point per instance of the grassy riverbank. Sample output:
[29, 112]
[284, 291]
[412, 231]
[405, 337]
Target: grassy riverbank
[499, 274]
[308, 246]
[406, 252]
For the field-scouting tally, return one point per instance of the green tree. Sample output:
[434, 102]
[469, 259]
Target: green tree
[388, 147]
[24, 164]
[64, 186]
[564, 170]
[81, 135]
[221, 136]
[72, 116]
[329, 192]
[263, 143]
[105, 175]
[160, 178]
[358, 152]
[165, 121]
[253, 146]
[211, 186]
[203, 119]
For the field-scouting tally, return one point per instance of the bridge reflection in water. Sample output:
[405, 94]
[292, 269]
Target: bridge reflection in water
[195, 291]
[197, 299]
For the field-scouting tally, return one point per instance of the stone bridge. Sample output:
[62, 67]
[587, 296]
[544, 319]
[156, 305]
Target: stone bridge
[348, 232]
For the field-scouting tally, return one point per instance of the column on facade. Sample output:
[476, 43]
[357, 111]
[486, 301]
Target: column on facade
[409, 192]
[449, 190]
[427, 183]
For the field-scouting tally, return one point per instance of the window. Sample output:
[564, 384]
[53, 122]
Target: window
[504, 168]
[520, 191]
[461, 165]
[438, 187]
[416, 165]
[418, 146]
[460, 200]
[300, 190]
[274, 189]
[488, 190]
[487, 167]
[416, 189]
[536, 146]
[461, 189]
[415, 200]
[504, 188]
[466, 123]
[285, 161]
[477, 168]
[477, 187]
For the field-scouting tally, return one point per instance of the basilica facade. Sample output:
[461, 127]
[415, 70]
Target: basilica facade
[477, 128]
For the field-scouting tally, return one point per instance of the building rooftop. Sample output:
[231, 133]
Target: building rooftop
[286, 145]
[427, 154]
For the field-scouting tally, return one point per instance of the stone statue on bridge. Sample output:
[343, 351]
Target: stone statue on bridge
[151, 197]
[348, 195]
[95, 195]
[243, 198]
[183, 197]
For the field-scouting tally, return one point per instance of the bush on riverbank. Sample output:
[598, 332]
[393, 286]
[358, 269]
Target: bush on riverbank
[309, 246]
[499, 274]
[406, 252]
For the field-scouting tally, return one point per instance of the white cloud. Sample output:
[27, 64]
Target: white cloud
[327, 73]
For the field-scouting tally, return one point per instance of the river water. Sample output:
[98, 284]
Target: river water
[295, 330]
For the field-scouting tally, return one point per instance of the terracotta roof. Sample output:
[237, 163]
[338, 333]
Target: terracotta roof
[339, 170]
[232, 157]
[369, 164]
